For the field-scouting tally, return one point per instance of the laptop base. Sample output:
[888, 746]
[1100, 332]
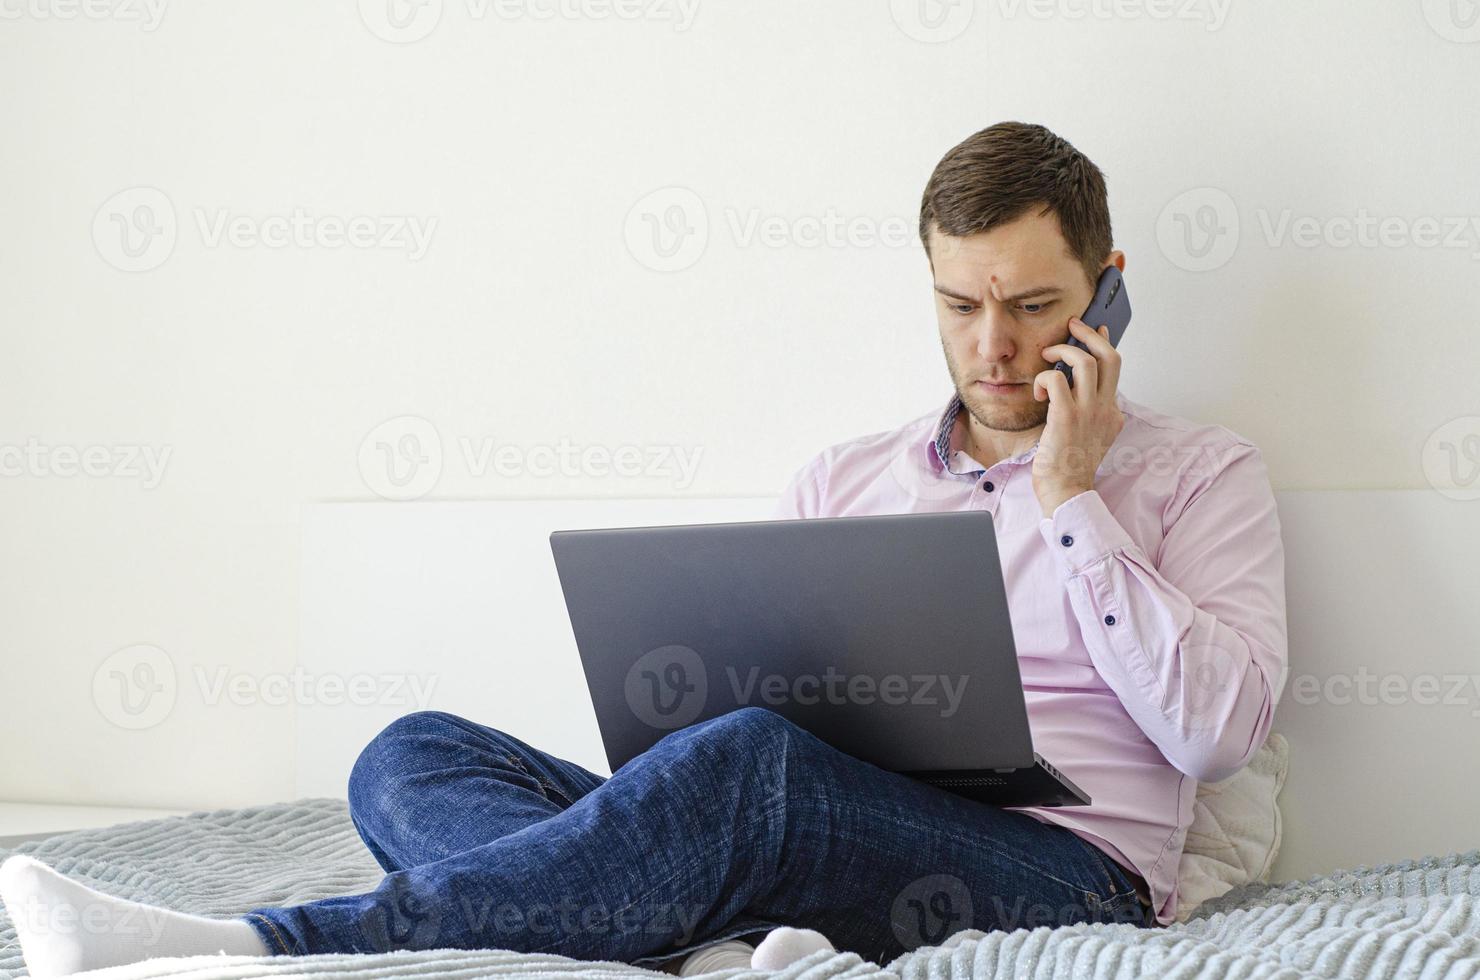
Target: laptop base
[1037, 785]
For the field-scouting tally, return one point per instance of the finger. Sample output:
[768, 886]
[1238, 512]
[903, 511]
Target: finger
[1086, 369]
[1098, 342]
[1054, 386]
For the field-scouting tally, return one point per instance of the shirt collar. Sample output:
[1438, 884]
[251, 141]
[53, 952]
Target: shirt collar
[946, 440]
[940, 439]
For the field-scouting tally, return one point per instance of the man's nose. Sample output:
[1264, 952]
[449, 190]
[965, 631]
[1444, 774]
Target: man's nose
[996, 338]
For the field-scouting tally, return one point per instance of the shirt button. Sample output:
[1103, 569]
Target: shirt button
[1109, 620]
[988, 486]
[1066, 540]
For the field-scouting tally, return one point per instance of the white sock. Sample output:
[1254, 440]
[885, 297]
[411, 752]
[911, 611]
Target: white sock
[731, 954]
[65, 927]
[785, 946]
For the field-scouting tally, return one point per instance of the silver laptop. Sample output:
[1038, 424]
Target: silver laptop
[886, 636]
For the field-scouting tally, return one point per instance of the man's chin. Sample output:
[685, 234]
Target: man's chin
[1004, 418]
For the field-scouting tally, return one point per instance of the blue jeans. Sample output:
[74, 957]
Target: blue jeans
[725, 828]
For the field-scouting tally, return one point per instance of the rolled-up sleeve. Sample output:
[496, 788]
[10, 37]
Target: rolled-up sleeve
[1194, 643]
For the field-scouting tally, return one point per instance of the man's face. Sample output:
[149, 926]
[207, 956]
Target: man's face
[1001, 297]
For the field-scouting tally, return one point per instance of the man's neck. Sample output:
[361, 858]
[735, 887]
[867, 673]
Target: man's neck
[990, 446]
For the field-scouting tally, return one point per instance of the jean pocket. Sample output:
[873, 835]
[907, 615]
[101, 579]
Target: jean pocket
[1116, 898]
[1109, 878]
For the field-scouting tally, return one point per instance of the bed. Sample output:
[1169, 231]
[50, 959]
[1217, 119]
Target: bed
[1416, 918]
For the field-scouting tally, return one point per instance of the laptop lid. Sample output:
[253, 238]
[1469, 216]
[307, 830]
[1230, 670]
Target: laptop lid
[886, 636]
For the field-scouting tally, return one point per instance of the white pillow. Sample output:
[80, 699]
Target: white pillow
[1235, 832]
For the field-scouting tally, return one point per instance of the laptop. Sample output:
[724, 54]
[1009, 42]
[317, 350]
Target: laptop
[860, 630]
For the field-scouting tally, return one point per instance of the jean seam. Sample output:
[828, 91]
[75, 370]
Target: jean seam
[277, 937]
[1042, 871]
[724, 933]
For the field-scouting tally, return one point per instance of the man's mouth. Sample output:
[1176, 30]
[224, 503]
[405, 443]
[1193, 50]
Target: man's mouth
[999, 387]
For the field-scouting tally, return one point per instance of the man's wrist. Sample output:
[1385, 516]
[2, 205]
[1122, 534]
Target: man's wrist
[1050, 500]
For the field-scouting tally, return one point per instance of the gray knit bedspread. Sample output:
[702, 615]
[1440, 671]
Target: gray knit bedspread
[1413, 918]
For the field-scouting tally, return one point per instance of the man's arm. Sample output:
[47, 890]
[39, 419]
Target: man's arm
[803, 494]
[1195, 643]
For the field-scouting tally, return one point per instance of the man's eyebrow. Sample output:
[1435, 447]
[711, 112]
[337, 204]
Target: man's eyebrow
[952, 294]
[1033, 293]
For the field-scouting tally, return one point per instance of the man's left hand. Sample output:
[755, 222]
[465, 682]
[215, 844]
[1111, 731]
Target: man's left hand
[1082, 421]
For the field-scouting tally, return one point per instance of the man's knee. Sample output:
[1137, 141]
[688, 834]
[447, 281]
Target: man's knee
[391, 756]
[747, 733]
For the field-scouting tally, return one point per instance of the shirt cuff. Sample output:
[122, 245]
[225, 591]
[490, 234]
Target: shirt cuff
[1082, 531]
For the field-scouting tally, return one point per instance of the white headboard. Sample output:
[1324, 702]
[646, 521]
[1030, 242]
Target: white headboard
[1381, 584]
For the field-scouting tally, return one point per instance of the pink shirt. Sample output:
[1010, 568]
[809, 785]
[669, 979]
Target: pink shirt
[1148, 613]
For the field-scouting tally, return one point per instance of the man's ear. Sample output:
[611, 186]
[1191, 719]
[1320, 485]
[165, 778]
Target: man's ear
[1117, 259]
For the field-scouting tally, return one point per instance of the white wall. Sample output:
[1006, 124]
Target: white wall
[535, 317]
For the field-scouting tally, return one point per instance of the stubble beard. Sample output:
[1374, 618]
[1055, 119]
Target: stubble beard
[991, 413]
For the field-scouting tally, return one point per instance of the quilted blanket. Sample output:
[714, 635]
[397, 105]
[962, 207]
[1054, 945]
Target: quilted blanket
[1411, 918]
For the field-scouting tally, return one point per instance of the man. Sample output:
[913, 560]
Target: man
[1145, 573]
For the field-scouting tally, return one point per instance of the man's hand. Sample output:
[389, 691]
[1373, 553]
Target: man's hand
[1082, 421]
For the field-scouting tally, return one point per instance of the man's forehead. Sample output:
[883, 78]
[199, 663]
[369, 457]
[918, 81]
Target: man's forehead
[1022, 238]
[998, 264]
[997, 273]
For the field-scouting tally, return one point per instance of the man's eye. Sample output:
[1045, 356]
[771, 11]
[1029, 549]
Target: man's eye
[963, 308]
[1032, 308]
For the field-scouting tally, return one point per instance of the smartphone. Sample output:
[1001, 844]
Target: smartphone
[1111, 307]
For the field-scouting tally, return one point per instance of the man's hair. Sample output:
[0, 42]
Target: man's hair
[997, 175]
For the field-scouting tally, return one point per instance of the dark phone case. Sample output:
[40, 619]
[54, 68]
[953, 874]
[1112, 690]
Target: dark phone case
[1111, 307]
